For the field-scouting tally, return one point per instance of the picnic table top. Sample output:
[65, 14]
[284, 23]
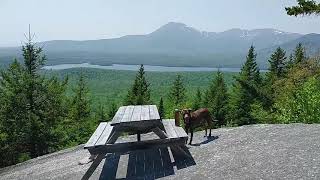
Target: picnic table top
[135, 114]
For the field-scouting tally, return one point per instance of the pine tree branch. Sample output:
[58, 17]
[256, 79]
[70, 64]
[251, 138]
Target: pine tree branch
[304, 7]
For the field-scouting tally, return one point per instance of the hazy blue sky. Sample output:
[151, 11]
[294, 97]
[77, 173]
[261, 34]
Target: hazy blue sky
[97, 19]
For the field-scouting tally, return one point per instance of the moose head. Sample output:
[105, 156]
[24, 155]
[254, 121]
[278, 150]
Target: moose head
[186, 115]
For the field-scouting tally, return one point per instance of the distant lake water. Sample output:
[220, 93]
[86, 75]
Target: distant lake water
[136, 67]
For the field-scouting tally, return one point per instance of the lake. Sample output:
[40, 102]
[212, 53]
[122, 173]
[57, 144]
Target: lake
[136, 67]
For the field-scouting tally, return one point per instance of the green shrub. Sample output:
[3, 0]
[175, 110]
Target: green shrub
[301, 105]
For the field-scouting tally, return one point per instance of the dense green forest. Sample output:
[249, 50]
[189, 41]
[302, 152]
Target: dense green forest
[111, 86]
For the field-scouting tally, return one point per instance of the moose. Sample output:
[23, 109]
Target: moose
[195, 119]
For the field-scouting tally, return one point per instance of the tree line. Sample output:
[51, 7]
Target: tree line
[289, 92]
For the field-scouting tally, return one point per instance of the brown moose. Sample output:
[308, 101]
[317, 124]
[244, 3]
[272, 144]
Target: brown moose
[195, 119]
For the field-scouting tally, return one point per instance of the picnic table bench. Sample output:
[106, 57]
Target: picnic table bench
[134, 120]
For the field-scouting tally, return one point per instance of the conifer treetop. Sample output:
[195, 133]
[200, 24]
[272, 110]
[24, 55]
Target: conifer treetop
[304, 7]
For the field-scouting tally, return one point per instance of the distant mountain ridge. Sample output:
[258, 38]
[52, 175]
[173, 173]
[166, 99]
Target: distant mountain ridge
[174, 44]
[179, 38]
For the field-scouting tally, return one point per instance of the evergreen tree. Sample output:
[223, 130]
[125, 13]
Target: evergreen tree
[80, 112]
[112, 111]
[218, 98]
[101, 114]
[161, 109]
[206, 97]
[243, 97]
[304, 7]
[277, 70]
[139, 93]
[299, 54]
[290, 63]
[277, 65]
[197, 101]
[177, 94]
[80, 107]
[45, 103]
[250, 71]
[13, 115]
[32, 108]
[262, 110]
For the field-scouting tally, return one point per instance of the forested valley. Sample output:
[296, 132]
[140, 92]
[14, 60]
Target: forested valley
[45, 111]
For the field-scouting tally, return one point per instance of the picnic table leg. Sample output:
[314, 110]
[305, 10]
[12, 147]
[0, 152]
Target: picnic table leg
[93, 167]
[99, 157]
[114, 137]
[163, 135]
[139, 136]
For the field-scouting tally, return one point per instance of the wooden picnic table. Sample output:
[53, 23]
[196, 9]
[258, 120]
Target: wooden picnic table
[135, 120]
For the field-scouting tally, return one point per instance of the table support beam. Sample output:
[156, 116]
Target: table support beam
[93, 166]
[163, 135]
[139, 136]
[160, 133]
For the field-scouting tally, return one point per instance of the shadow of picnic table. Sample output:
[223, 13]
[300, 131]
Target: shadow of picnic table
[145, 164]
[208, 140]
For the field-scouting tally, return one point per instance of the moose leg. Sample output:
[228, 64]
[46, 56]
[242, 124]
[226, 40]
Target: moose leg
[191, 130]
[209, 123]
[205, 133]
[187, 131]
[209, 127]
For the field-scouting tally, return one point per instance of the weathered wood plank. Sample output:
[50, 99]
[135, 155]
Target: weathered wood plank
[136, 116]
[104, 136]
[145, 113]
[131, 146]
[172, 129]
[127, 114]
[171, 121]
[96, 135]
[169, 129]
[154, 114]
[119, 114]
[181, 132]
[174, 126]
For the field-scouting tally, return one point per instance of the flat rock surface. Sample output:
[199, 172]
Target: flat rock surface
[249, 152]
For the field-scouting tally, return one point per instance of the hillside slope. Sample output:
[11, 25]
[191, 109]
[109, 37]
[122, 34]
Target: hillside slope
[248, 152]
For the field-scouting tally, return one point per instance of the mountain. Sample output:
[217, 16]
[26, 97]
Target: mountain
[178, 38]
[311, 43]
[174, 44]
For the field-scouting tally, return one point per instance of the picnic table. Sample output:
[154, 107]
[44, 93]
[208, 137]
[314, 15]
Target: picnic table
[134, 120]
